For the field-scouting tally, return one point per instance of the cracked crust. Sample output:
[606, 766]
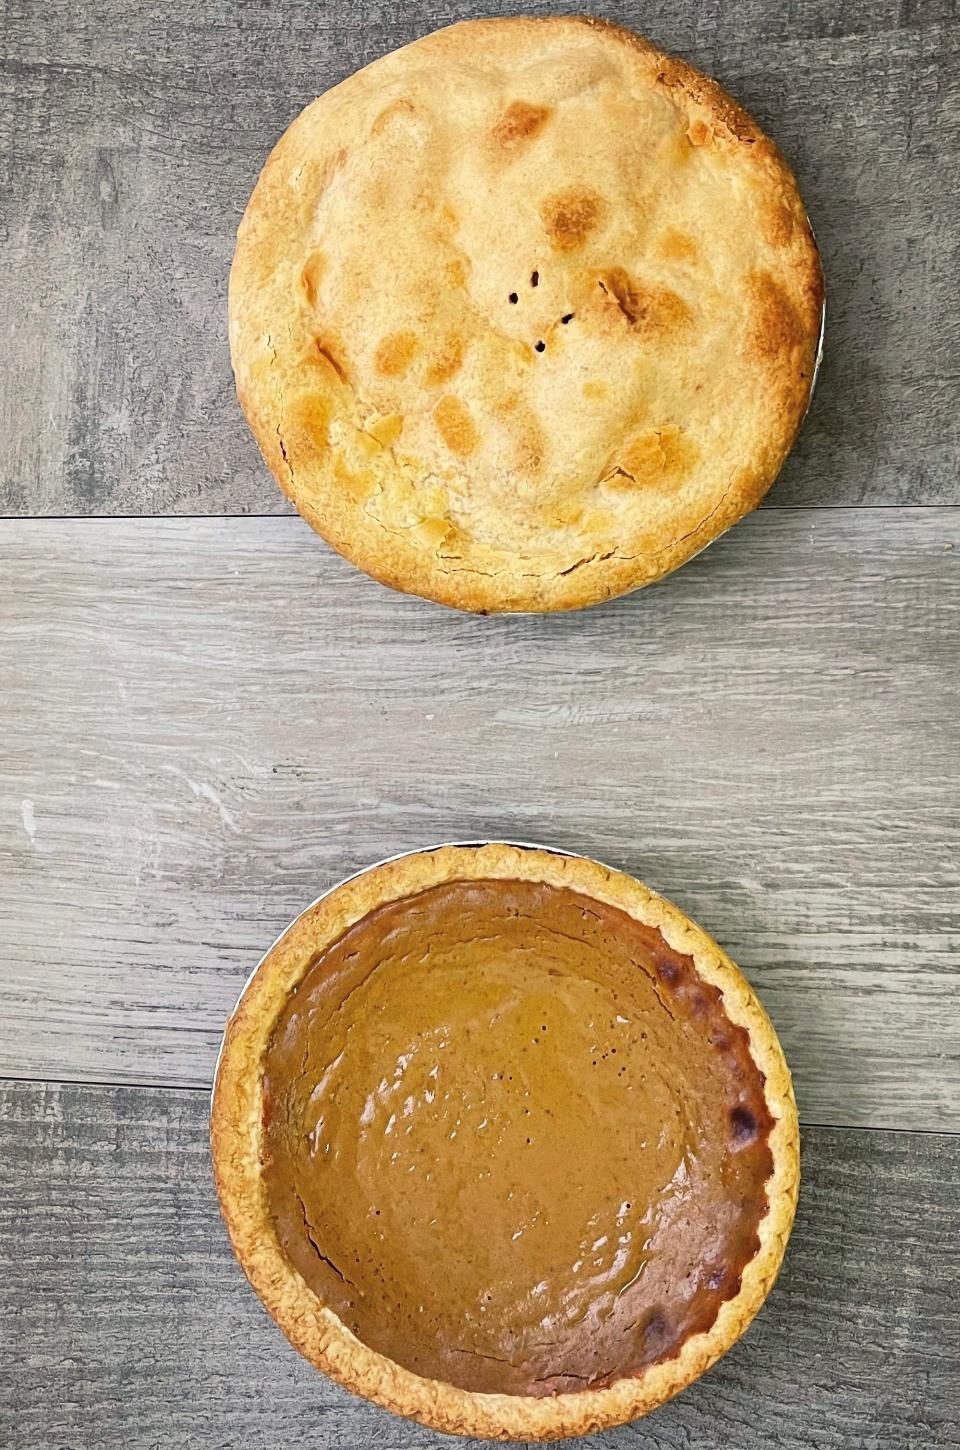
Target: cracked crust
[525, 314]
[236, 1128]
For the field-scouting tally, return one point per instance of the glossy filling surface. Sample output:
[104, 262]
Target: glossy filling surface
[512, 1139]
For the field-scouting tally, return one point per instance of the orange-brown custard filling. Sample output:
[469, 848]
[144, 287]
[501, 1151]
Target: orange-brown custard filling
[512, 1138]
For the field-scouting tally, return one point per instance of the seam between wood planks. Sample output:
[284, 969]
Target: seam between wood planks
[169, 1087]
[785, 508]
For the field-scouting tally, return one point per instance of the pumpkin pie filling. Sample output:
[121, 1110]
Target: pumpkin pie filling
[512, 1139]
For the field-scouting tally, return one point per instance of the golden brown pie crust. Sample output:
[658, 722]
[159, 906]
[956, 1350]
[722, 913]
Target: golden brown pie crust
[238, 1145]
[525, 314]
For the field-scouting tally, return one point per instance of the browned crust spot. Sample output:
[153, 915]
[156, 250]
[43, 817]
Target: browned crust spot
[677, 246]
[519, 124]
[306, 425]
[777, 223]
[775, 324]
[312, 275]
[661, 457]
[445, 362]
[455, 426]
[570, 216]
[395, 353]
[644, 307]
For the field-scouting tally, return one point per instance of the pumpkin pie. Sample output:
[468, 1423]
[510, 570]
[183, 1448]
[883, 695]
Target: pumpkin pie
[524, 314]
[504, 1142]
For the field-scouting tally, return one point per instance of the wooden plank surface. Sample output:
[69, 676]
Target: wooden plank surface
[204, 722]
[128, 1324]
[208, 723]
[133, 132]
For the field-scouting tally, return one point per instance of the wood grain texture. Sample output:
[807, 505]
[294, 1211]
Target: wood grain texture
[206, 724]
[127, 1324]
[133, 132]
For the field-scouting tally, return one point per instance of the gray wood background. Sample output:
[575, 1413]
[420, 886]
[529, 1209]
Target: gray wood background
[206, 719]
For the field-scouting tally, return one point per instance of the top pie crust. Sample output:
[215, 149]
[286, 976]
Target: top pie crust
[638, 396]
